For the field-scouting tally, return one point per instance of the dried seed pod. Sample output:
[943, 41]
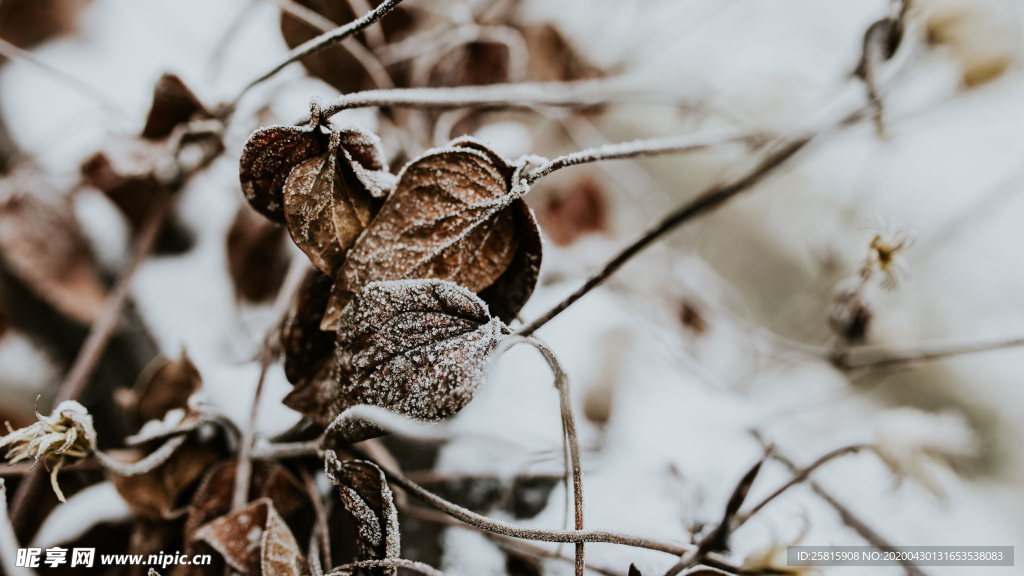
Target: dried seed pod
[330, 199]
[417, 347]
[370, 506]
[452, 216]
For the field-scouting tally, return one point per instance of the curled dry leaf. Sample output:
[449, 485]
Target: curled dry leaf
[335, 65]
[173, 104]
[306, 347]
[43, 245]
[269, 156]
[453, 216]
[416, 347]
[330, 199]
[155, 494]
[212, 498]
[370, 506]
[166, 386]
[256, 256]
[255, 541]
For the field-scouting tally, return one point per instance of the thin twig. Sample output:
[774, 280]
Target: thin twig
[284, 450]
[9, 541]
[798, 477]
[420, 567]
[243, 471]
[322, 529]
[848, 517]
[522, 95]
[705, 202]
[374, 33]
[326, 40]
[102, 100]
[366, 59]
[96, 341]
[886, 355]
[648, 147]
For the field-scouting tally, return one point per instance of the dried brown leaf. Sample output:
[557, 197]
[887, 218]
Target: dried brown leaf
[28, 22]
[173, 104]
[370, 506]
[167, 386]
[212, 498]
[155, 494]
[306, 347]
[330, 199]
[417, 347]
[472, 64]
[581, 210]
[43, 245]
[452, 216]
[269, 156]
[255, 541]
[552, 58]
[256, 255]
[335, 65]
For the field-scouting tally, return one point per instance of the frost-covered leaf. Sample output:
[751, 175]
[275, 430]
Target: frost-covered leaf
[306, 347]
[41, 242]
[255, 255]
[255, 541]
[155, 494]
[453, 216]
[416, 347]
[269, 156]
[370, 506]
[330, 199]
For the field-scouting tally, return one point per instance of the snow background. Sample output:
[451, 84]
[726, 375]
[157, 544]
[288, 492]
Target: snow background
[681, 405]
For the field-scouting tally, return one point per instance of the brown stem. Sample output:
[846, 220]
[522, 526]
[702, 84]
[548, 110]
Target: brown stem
[883, 355]
[96, 341]
[707, 201]
[326, 40]
[848, 517]
[322, 530]
[243, 471]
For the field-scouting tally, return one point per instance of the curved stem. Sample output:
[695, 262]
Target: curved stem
[325, 40]
[647, 147]
[880, 355]
[705, 202]
[420, 567]
[152, 461]
[243, 471]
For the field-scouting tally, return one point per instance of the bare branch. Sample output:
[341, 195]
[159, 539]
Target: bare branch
[705, 202]
[284, 450]
[648, 147]
[326, 40]
[322, 529]
[152, 461]
[886, 355]
[523, 95]
[243, 471]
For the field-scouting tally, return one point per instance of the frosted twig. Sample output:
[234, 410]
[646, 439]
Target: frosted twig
[102, 100]
[705, 202]
[374, 33]
[647, 147]
[798, 477]
[326, 40]
[96, 341]
[568, 429]
[420, 567]
[283, 450]
[152, 461]
[366, 59]
[9, 541]
[522, 95]
[882, 355]
[848, 517]
[243, 470]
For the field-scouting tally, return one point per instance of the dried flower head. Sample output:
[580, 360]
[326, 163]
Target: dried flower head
[66, 433]
[912, 443]
[885, 256]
